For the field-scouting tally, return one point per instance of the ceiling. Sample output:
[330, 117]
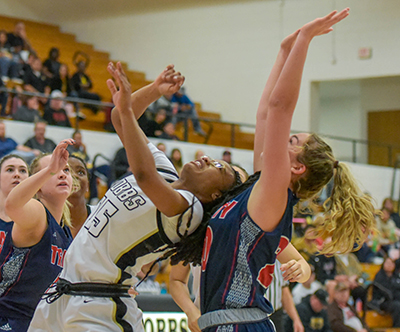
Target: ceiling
[78, 9]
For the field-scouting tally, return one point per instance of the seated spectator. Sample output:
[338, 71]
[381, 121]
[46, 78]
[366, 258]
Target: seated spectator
[39, 143]
[154, 128]
[164, 102]
[78, 149]
[51, 66]
[161, 146]
[186, 107]
[309, 287]
[35, 81]
[54, 114]
[342, 316]
[169, 132]
[29, 110]
[8, 145]
[349, 271]
[386, 290]
[312, 312]
[3, 100]
[227, 156]
[18, 37]
[82, 84]
[388, 234]
[8, 67]
[176, 159]
[325, 271]
[389, 205]
[119, 165]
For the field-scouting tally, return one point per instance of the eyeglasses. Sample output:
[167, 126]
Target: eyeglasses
[217, 164]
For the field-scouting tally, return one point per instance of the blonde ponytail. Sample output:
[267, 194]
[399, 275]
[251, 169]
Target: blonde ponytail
[349, 215]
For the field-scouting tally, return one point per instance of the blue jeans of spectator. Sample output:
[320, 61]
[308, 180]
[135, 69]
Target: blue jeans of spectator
[8, 67]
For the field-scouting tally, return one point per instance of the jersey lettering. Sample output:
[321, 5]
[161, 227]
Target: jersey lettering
[100, 218]
[225, 209]
[57, 255]
[2, 239]
[206, 248]
[128, 195]
[266, 273]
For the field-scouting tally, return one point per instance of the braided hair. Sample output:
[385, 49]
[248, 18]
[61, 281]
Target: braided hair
[189, 248]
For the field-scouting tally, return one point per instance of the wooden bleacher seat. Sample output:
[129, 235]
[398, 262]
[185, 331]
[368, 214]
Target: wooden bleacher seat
[44, 36]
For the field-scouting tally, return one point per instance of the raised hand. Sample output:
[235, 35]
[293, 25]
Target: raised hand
[292, 271]
[59, 157]
[289, 41]
[169, 81]
[122, 97]
[324, 25]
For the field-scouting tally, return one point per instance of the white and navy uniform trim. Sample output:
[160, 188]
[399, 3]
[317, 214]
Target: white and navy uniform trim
[238, 261]
[124, 233]
[274, 292]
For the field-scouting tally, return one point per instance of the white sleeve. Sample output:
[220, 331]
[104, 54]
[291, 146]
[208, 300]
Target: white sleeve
[191, 218]
[163, 164]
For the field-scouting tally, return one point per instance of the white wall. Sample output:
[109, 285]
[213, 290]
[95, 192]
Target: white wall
[227, 50]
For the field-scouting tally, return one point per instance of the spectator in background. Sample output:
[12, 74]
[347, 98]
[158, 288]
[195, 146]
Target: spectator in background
[29, 110]
[342, 316]
[176, 159]
[39, 143]
[8, 145]
[169, 132]
[389, 205]
[161, 146]
[119, 165]
[386, 290]
[51, 66]
[54, 114]
[312, 312]
[278, 294]
[309, 287]
[8, 67]
[388, 234]
[227, 156]
[35, 81]
[78, 148]
[19, 38]
[154, 128]
[82, 84]
[3, 100]
[187, 108]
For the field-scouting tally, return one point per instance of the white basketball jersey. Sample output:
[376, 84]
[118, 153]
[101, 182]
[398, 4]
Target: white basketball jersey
[124, 231]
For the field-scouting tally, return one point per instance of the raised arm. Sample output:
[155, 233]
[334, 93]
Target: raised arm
[178, 288]
[262, 111]
[269, 196]
[28, 214]
[140, 158]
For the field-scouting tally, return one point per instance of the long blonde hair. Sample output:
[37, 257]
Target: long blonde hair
[348, 216]
[66, 215]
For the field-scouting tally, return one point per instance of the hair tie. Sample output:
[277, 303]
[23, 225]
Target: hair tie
[336, 164]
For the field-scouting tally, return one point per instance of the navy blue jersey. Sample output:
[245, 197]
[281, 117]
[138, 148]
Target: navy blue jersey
[5, 233]
[26, 273]
[239, 257]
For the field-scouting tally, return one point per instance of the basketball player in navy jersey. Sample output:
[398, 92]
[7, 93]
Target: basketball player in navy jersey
[253, 228]
[34, 256]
